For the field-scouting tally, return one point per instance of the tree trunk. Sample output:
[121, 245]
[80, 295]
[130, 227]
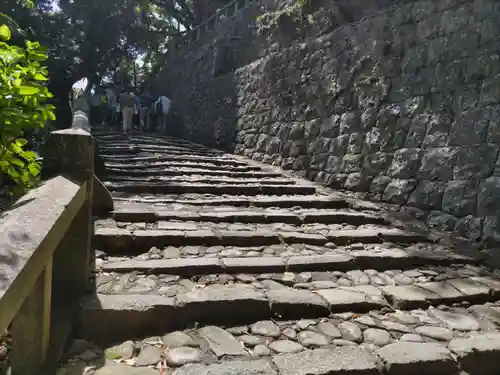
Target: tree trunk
[63, 113]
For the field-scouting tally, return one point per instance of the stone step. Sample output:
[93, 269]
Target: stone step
[182, 169]
[138, 143]
[136, 154]
[125, 240]
[179, 165]
[187, 178]
[200, 188]
[191, 261]
[179, 158]
[181, 303]
[433, 341]
[148, 213]
[306, 201]
[154, 148]
[166, 149]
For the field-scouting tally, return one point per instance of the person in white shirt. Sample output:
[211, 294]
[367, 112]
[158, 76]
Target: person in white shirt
[162, 105]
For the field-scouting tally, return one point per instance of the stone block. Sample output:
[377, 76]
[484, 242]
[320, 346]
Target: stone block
[350, 122]
[493, 134]
[405, 163]
[490, 91]
[379, 184]
[459, 198]
[357, 182]
[292, 303]
[475, 162]
[438, 128]
[478, 354]
[491, 229]
[236, 367]
[469, 227]
[409, 296]
[455, 19]
[465, 98]
[470, 127]
[427, 195]
[218, 302]
[488, 203]
[372, 141]
[490, 29]
[398, 191]
[352, 163]
[441, 221]
[417, 130]
[339, 145]
[334, 164]
[331, 361]
[330, 127]
[350, 299]
[437, 49]
[437, 164]
[415, 358]
[447, 76]
[376, 163]
[355, 145]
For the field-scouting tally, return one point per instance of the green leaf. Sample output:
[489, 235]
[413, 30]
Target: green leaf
[21, 142]
[26, 90]
[17, 162]
[34, 169]
[40, 77]
[5, 33]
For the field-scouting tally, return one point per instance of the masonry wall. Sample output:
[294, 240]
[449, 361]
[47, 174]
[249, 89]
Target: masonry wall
[403, 106]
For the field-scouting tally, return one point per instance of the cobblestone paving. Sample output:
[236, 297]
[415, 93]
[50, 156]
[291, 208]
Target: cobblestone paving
[212, 265]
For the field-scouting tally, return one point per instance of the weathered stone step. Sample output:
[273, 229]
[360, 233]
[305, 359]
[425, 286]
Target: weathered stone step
[166, 151]
[117, 316]
[200, 188]
[139, 143]
[179, 158]
[183, 170]
[187, 178]
[119, 240]
[154, 148]
[143, 212]
[415, 342]
[157, 148]
[195, 261]
[179, 165]
[307, 201]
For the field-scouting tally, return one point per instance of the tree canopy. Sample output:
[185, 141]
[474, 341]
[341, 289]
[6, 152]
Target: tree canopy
[93, 38]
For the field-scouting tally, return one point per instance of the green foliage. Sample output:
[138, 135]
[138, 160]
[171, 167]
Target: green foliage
[22, 107]
[295, 12]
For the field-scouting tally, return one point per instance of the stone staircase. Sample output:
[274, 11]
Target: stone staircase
[215, 265]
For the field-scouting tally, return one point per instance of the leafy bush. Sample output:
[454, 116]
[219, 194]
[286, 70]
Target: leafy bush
[22, 107]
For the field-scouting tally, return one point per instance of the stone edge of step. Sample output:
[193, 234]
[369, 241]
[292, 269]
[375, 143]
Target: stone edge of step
[240, 300]
[335, 260]
[261, 237]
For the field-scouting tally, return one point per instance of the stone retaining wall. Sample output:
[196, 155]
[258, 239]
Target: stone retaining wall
[402, 105]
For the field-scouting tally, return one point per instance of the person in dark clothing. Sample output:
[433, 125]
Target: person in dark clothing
[145, 111]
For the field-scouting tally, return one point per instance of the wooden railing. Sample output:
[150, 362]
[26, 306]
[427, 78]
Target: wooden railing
[229, 10]
[45, 248]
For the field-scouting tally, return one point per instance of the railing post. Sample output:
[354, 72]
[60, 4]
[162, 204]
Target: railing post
[236, 6]
[70, 153]
[31, 328]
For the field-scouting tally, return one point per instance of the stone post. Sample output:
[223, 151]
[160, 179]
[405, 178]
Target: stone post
[70, 153]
